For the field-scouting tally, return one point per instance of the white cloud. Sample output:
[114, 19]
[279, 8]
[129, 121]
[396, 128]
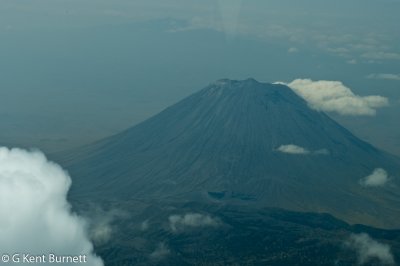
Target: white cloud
[35, 215]
[333, 96]
[293, 50]
[293, 149]
[191, 220]
[297, 150]
[384, 76]
[378, 178]
[160, 252]
[368, 249]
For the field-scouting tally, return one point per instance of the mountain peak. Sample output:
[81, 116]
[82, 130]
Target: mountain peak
[233, 142]
[226, 81]
[235, 83]
[251, 91]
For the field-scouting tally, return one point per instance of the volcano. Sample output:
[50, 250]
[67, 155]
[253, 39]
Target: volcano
[242, 143]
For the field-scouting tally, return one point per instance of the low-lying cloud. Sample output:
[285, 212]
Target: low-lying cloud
[334, 96]
[160, 252]
[298, 150]
[368, 249]
[102, 224]
[378, 178]
[35, 215]
[293, 149]
[191, 220]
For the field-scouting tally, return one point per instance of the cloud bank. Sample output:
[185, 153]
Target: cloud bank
[191, 220]
[35, 215]
[368, 249]
[333, 96]
[378, 178]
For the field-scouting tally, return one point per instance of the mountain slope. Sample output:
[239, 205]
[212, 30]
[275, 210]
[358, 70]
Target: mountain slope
[221, 145]
[243, 236]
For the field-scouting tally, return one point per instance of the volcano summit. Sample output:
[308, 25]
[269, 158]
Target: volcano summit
[243, 143]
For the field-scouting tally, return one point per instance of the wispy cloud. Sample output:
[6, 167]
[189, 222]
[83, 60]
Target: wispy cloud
[334, 96]
[352, 62]
[368, 249]
[35, 215]
[384, 76]
[378, 178]
[102, 223]
[381, 55]
[322, 152]
[230, 10]
[144, 226]
[191, 220]
[160, 252]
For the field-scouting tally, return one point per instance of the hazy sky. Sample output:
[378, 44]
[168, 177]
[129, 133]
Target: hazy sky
[77, 70]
